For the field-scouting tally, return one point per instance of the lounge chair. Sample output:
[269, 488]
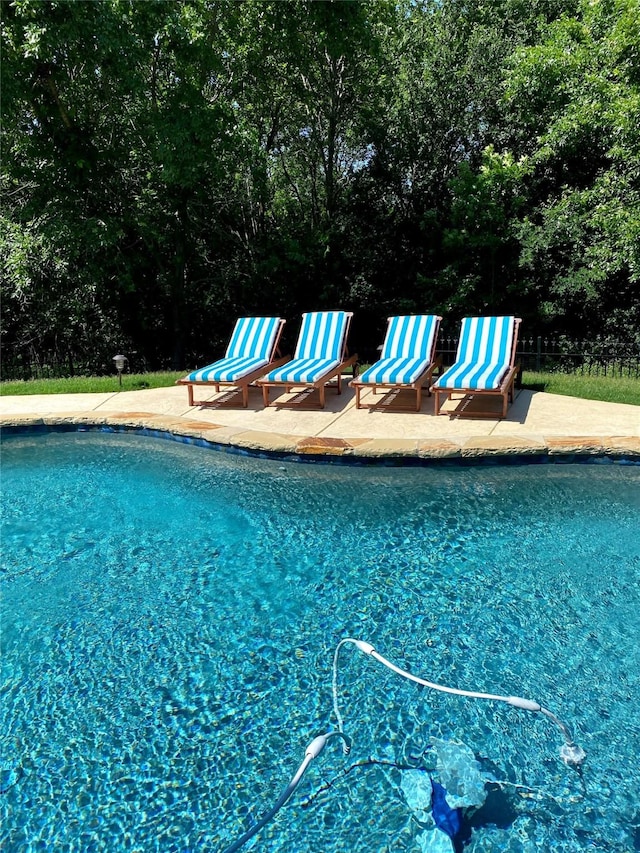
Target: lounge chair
[407, 360]
[320, 355]
[485, 367]
[252, 351]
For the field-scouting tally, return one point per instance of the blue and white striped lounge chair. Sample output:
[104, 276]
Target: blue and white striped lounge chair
[320, 355]
[252, 351]
[407, 360]
[485, 366]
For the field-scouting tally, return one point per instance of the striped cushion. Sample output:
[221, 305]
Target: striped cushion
[394, 371]
[250, 348]
[253, 337]
[484, 354]
[406, 351]
[227, 369]
[409, 337]
[322, 335]
[302, 370]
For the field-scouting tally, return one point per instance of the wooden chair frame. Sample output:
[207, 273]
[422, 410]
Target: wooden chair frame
[505, 391]
[243, 382]
[321, 382]
[417, 385]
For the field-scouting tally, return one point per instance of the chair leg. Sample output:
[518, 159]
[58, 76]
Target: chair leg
[321, 393]
[190, 392]
[265, 395]
[245, 396]
[357, 390]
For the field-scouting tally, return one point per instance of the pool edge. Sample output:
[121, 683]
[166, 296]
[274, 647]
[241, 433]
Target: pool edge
[479, 450]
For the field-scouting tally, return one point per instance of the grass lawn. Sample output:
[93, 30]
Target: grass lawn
[610, 389]
[91, 384]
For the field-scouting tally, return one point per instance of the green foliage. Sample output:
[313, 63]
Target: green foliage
[577, 99]
[481, 239]
[169, 166]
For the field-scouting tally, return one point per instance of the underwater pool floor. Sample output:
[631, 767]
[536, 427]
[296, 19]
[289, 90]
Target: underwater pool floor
[170, 616]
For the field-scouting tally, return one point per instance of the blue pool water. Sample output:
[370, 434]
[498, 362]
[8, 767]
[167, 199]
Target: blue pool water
[170, 616]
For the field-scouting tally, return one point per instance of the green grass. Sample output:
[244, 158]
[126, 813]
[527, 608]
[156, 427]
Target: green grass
[90, 384]
[609, 389]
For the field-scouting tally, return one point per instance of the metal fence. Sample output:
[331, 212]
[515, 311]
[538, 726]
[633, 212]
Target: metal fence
[53, 365]
[558, 354]
[561, 354]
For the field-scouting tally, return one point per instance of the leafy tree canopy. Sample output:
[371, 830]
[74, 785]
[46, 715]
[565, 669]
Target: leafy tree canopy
[167, 167]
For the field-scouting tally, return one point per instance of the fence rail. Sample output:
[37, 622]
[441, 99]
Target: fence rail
[558, 354]
[52, 365]
[561, 354]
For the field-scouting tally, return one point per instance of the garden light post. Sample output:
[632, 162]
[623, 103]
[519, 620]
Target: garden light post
[119, 362]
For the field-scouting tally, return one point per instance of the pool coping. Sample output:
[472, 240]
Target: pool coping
[623, 448]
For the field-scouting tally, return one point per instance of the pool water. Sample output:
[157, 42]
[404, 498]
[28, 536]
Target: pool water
[170, 616]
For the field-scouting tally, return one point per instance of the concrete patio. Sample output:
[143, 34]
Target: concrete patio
[537, 423]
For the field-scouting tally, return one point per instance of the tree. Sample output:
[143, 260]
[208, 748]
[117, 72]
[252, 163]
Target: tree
[169, 166]
[576, 98]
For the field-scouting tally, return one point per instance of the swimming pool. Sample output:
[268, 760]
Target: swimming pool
[170, 617]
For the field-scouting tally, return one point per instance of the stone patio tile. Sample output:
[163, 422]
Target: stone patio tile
[622, 444]
[433, 448]
[324, 446]
[581, 445]
[267, 441]
[16, 420]
[389, 447]
[507, 445]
